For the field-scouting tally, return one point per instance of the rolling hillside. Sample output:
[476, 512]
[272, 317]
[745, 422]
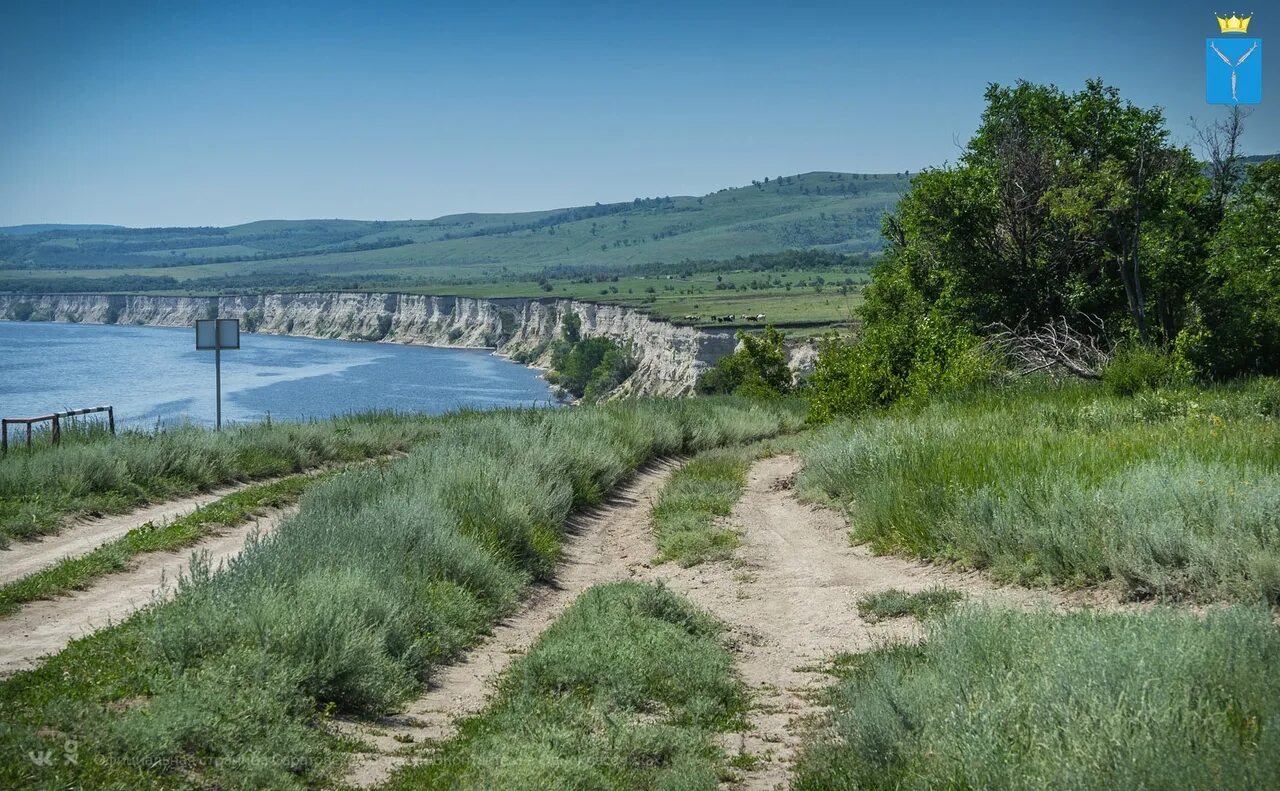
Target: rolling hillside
[833, 211]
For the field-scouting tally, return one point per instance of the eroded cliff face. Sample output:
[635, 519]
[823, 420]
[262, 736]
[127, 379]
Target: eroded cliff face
[670, 358]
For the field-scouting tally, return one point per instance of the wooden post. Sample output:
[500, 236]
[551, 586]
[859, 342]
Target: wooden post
[57, 430]
[28, 433]
[111, 420]
[4, 438]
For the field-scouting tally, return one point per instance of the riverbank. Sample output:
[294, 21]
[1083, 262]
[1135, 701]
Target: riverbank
[670, 358]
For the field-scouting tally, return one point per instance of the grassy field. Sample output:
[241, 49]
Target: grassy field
[788, 298]
[1011, 700]
[1171, 494]
[345, 607]
[602, 702]
[42, 487]
[838, 211]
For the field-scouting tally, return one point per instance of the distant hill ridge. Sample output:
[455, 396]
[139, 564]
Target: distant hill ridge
[829, 210]
[24, 230]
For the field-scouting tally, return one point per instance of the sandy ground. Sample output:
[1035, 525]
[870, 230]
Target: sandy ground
[85, 535]
[45, 627]
[606, 543]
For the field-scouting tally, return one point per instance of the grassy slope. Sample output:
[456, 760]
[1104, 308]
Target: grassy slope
[766, 218]
[625, 690]
[345, 607]
[1005, 700]
[1173, 494]
[41, 487]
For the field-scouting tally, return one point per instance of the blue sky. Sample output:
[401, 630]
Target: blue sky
[170, 113]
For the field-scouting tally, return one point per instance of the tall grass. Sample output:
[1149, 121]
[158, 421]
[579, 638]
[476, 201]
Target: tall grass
[625, 690]
[1169, 493]
[42, 486]
[1004, 700]
[347, 607]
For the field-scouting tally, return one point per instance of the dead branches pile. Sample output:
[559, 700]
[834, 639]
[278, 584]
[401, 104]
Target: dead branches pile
[1055, 348]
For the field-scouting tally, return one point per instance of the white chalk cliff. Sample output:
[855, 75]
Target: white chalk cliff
[670, 357]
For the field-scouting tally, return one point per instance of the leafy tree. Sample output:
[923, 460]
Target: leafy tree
[571, 327]
[757, 367]
[1060, 203]
[1237, 330]
[590, 368]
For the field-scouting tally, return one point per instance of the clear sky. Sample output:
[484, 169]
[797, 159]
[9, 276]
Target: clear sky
[214, 113]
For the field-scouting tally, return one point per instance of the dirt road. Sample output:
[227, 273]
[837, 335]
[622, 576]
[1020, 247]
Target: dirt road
[45, 627]
[85, 535]
[606, 543]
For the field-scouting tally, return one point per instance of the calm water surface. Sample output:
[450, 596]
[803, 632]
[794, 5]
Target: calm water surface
[154, 375]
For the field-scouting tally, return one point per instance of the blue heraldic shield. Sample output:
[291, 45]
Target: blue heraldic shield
[1233, 71]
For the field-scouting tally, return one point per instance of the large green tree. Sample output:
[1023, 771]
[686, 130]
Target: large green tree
[1070, 210]
[1061, 203]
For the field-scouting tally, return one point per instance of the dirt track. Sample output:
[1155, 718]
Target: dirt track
[788, 597]
[85, 535]
[45, 627]
[606, 543]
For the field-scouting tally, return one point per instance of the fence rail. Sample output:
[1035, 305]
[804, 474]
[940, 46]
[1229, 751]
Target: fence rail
[55, 419]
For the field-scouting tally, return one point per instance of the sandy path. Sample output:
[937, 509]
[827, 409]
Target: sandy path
[45, 627]
[85, 535]
[606, 543]
[789, 598]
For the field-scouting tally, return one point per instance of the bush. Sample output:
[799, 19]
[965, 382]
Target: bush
[590, 369]
[1238, 330]
[1137, 368]
[21, 311]
[757, 368]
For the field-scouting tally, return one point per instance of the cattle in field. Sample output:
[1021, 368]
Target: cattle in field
[723, 319]
[692, 317]
[757, 317]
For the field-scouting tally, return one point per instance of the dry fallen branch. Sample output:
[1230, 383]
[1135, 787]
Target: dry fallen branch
[1056, 348]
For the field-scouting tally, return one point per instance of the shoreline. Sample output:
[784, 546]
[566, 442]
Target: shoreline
[670, 357]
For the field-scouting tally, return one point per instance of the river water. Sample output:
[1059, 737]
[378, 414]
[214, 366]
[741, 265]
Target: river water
[154, 376]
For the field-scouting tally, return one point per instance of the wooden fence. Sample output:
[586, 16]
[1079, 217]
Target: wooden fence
[55, 419]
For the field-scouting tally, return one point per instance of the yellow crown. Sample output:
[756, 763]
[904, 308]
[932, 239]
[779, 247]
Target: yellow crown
[1234, 24]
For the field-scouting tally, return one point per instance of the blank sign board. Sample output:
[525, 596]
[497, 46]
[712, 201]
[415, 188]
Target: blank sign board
[218, 334]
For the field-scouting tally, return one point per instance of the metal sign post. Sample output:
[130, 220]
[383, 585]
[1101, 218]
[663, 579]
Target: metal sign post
[217, 334]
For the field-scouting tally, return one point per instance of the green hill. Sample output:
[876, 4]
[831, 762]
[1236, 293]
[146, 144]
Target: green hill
[833, 211]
